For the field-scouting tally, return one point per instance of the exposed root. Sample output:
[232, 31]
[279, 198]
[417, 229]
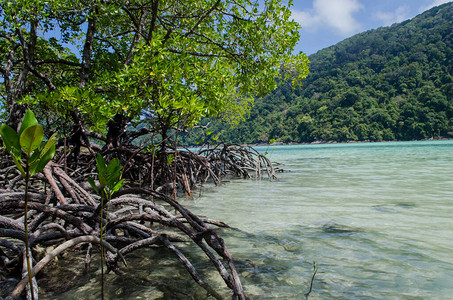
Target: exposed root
[68, 213]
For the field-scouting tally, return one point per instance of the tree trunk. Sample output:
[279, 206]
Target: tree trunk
[16, 113]
[162, 155]
[87, 52]
[116, 128]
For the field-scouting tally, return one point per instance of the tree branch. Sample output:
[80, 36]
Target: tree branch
[57, 61]
[202, 18]
[199, 54]
[155, 8]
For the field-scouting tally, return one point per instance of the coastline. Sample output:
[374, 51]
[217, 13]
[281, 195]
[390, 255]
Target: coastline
[320, 142]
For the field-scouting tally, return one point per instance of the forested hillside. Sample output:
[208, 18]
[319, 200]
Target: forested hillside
[392, 83]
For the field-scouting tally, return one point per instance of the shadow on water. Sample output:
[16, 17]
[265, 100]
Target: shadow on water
[151, 274]
[271, 264]
[394, 208]
[339, 230]
[408, 205]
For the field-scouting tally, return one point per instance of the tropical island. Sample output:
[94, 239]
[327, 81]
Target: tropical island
[100, 103]
[392, 83]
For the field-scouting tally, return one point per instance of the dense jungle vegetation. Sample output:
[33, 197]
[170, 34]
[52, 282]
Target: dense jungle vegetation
[392, 83]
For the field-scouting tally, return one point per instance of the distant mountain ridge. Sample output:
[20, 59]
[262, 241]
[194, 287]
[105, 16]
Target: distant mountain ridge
[391, 83]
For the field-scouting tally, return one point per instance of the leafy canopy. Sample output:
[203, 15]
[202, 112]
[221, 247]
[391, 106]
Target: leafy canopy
[178, 61]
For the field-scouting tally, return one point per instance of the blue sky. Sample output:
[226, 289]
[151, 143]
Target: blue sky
[327, 22]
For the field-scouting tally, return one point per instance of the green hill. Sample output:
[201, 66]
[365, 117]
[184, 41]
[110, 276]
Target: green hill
[392, 83]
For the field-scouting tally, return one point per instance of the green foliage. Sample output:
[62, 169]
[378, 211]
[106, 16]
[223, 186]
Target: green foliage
[177, 61]
[170, 158]
[385, 84]
[29, 140]
[58, 105]
[109, 176]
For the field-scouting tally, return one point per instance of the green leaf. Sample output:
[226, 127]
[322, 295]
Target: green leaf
[31, 138]
[117, 186]
[170, 158]
[93, 185]
[34, 158]
[113, 166]
[28, 121]
[10, 140]
[100, 163]
[19, 166]
[102, 181]
[113, 172]
[50, 142]
[45, 158]
[112, 178]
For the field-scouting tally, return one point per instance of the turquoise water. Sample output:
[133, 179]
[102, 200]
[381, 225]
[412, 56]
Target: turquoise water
[376, 217]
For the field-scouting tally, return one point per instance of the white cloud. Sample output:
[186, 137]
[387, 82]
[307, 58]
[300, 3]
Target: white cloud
[434, 3]
[306, 20]
[400, 14]
[337, 15]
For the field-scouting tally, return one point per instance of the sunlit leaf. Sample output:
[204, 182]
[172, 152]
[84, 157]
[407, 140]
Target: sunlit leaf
[31, 138]
[28, 121]
[50, 142]
[117, 186]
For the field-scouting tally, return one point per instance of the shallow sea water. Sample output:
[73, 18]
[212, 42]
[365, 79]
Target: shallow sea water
[377, 218]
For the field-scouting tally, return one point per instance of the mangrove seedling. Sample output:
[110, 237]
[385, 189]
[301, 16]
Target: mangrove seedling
[28, 142]
[110, 181]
